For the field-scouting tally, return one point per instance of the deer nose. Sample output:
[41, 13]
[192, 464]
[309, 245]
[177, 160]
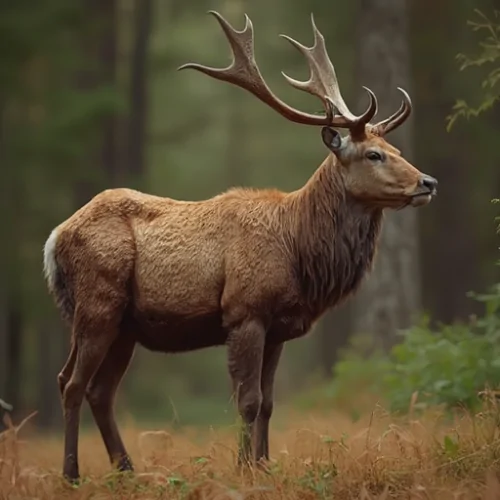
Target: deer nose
[429, 182]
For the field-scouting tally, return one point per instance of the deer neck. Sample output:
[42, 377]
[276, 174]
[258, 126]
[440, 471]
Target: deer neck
[333, 238]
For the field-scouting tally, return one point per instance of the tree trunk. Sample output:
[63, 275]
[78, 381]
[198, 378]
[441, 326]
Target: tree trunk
[391, 295]
[138, 100]
[4, 278]
[333, 335]
[3, 341]
[108, 58]
[99, 48]
[450, 273]
[48, 404]
[11, 320]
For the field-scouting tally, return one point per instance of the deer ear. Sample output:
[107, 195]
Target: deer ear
[331, 138]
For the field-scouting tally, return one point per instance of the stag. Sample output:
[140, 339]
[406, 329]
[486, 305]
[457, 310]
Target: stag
[249, 269]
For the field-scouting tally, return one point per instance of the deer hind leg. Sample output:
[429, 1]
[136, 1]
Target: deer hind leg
[94, 330]
[272, 354]
[67, 370]
[101, 394]
[245, 350]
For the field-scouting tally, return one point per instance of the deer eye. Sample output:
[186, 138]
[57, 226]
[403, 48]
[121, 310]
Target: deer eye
[374, 156]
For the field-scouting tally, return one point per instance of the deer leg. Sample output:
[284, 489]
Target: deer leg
[93, 334]
[101, 394]
[245, 351]
[272, 353]
[67, 370]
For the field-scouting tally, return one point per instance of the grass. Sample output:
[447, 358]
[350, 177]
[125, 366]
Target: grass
[321, 455]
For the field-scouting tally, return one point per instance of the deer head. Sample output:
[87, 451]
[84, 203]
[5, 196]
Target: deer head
[373, 171]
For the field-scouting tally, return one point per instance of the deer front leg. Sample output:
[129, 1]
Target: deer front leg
[272, 354]
[245, 351]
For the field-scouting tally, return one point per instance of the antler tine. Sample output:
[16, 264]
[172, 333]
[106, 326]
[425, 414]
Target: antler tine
[395, 120]
[242, 49]
[244, 72]
[323, 81]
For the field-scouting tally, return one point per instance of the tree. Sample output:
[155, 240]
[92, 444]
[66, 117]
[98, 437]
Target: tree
[391, 295]
[333, 335]
[446, 276]
[137, 120]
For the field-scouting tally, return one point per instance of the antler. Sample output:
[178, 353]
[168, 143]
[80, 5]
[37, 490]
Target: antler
[244, 72]
[323, 81]
[401, 115]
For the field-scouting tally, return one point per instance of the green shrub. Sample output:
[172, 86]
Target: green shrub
[448, 365]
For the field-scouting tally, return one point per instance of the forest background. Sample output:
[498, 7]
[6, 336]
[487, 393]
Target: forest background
[90, 99]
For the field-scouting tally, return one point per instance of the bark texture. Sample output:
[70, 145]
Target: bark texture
[391, 294]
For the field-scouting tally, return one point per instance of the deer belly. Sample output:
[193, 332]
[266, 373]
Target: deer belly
[173, 333]
[287, 327]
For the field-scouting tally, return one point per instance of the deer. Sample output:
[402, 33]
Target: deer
[249, 269]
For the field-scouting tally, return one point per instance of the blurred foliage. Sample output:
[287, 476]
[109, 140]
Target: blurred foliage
[57, 94]
[489, 53]
[449, 365]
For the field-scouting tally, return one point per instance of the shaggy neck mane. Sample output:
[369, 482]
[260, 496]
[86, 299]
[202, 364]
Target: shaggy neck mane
[333, 238]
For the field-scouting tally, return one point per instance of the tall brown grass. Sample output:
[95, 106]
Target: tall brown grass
[316, 456]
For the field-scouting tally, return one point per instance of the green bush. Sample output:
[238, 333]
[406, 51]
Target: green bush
[449, 365]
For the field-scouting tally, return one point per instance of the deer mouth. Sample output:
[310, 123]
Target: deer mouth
[422, 198]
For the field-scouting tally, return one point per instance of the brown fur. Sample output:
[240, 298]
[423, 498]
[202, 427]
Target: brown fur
[250, 269]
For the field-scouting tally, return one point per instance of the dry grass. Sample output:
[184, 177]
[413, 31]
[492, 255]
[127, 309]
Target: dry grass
[316, 457]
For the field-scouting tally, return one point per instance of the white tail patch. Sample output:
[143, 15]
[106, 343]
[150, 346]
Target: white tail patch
[49, 259]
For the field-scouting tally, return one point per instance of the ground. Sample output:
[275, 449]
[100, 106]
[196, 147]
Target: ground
[318, 455]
